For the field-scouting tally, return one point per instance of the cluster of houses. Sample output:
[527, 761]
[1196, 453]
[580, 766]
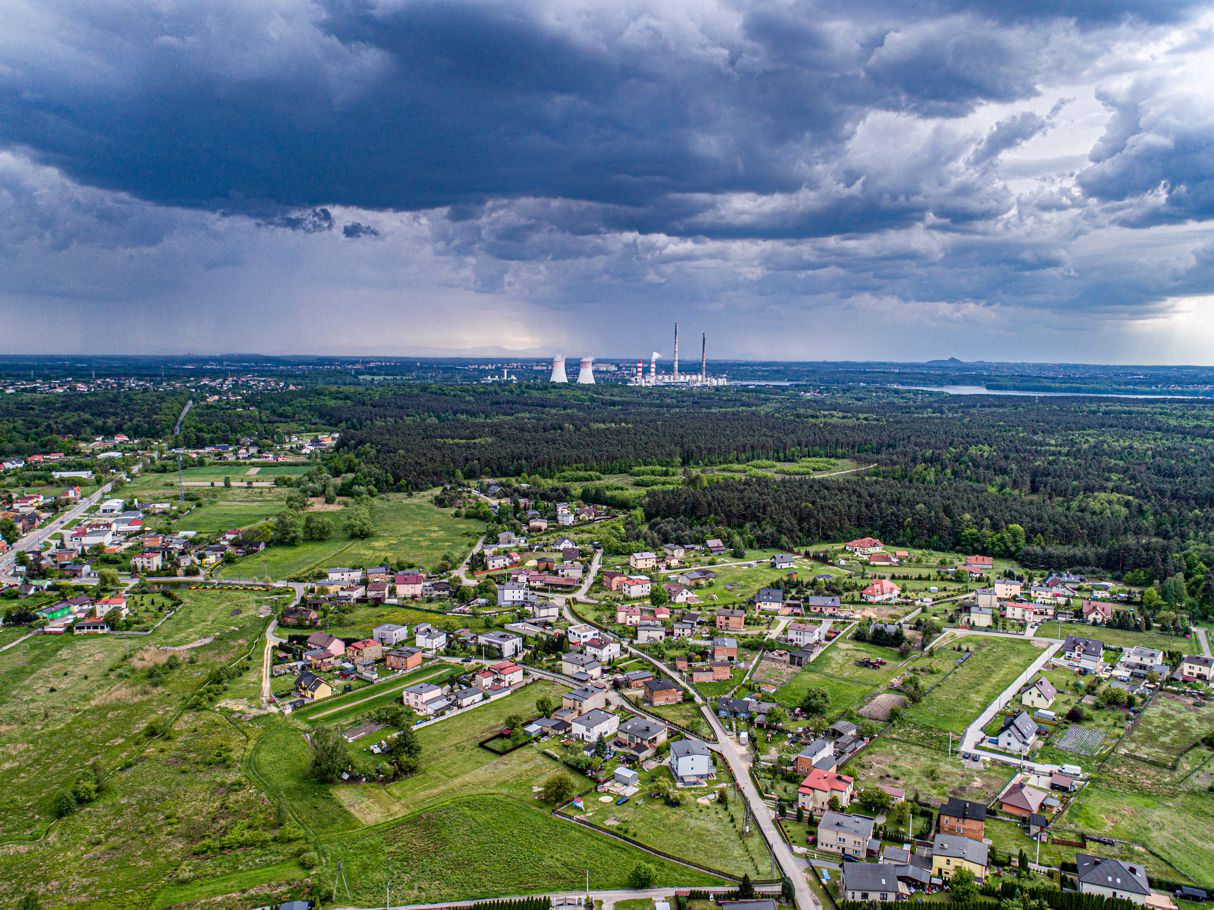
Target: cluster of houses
[83, 615]
[896, 872]
[1051, 600]
[389, 650]
[379, 584]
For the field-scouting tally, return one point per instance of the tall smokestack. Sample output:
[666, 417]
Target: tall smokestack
[585, 375]
[653, 366]
[640, 369]
[703, 357]
[558, 369]
[676, 351]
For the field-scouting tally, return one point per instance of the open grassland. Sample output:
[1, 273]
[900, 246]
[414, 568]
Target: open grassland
[1008, 837]
[960, 695]
[178, 815]
[710, 832]
[66, 701]
[485, 846]
[1176, 823]
[931, 774]
[836, 670]
[408, 530]
[1167, 728]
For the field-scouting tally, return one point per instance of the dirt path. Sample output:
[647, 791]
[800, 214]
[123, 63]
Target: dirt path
[202, 642]
[252, 471]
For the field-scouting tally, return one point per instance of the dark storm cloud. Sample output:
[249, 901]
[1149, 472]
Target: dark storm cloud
[423, 104]
[945, 160]
[356, 229]
[313, 221]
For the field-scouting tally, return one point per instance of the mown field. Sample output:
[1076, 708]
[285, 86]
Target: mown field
[408, 530]
[468, 824]
[931, 774]
[960, 696]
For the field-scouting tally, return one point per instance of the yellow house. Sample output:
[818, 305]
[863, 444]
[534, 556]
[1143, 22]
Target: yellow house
[311, 686]
[951, 852]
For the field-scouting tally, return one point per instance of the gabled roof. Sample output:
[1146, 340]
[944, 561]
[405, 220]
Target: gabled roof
[858, 825]
[1023, 727]
[870, 877]
[1045, 687]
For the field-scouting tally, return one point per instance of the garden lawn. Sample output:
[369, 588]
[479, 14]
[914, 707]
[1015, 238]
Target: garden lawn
[359, 620]
[452, 763]
[960, 695]
[836, 671]
[408, 530]
[486, 846]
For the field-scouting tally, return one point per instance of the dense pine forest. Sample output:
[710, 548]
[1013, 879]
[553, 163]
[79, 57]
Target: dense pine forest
[1121, 484]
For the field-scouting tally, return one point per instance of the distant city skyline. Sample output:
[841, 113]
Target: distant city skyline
[803, 181]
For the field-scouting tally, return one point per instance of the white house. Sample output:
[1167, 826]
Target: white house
[342, 576]
[503, 643]
[643, 560]
[593, 724]
[1018, 734]
[425, 698]
[650, 630]
[390, 634]
[804, 634]
[430, 639]
[604, 650]
[691, 762]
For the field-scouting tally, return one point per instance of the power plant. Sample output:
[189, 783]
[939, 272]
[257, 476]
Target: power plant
[585, 375]
[674, 377]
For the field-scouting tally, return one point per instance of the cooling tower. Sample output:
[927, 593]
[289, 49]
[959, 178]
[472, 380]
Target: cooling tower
[585, 375]
[558, 369]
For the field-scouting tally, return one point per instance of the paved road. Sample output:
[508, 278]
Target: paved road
[37, 537]
[1204, 641]
[763, 815]
[462, 572]
[608, 898]
[973, 733]
[792, 868]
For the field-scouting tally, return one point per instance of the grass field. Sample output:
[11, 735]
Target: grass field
[927, 772]
[961, 695]
[836, 671]
[1169, 727]
[362, 618]
[710, 832]
[180, 813]
[485, 846]
[65, 701]
[408, 529]
[1178, 825]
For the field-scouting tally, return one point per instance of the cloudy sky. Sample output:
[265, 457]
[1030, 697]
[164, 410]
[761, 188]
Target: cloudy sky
[867, 179]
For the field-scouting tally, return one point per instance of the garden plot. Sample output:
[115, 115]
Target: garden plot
[1080, 741]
